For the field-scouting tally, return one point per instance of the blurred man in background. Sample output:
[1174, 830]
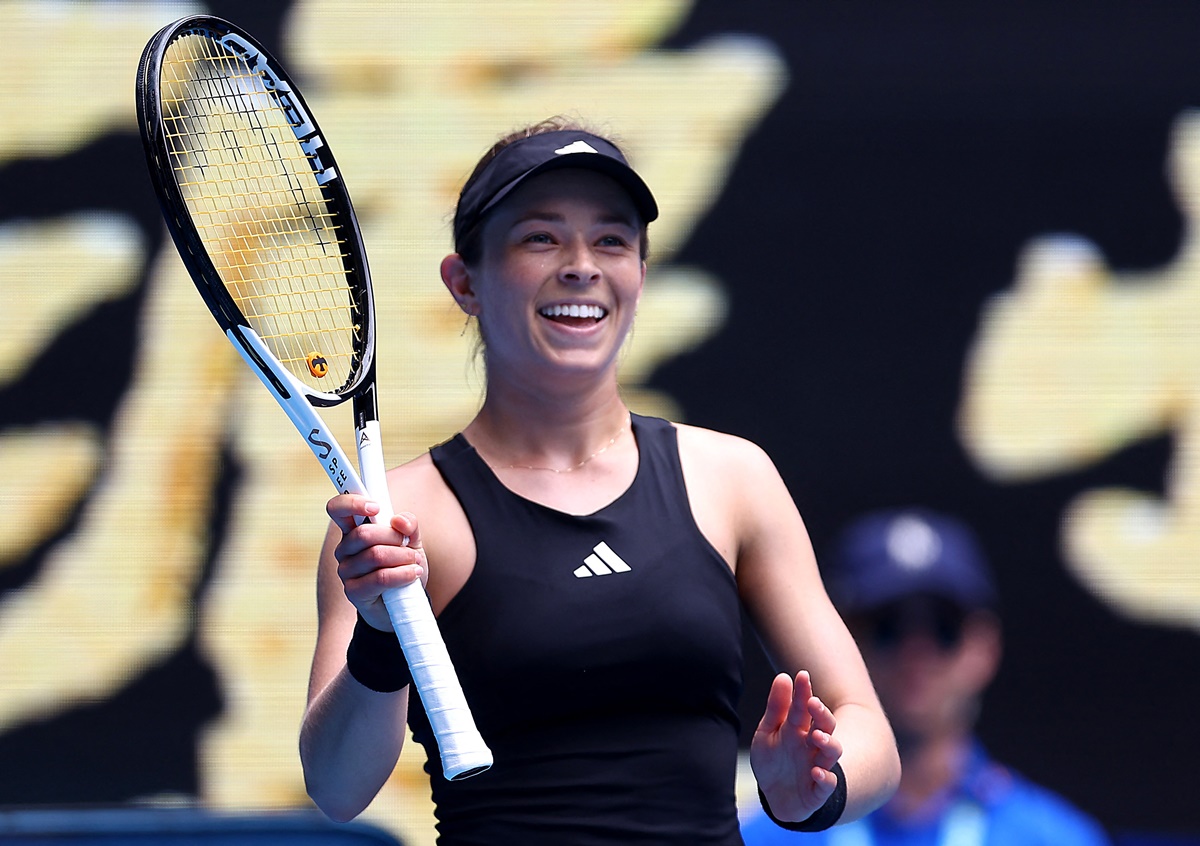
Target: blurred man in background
[917, 593]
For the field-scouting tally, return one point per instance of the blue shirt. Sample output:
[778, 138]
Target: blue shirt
[989, 806]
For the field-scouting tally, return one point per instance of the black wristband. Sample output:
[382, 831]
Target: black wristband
[825, 816]
[375, 660]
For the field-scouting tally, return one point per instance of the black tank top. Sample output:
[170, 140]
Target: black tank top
[601, 656]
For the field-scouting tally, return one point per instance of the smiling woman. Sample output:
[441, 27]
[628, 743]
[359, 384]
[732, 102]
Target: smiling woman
[565, 243]
[593, 611]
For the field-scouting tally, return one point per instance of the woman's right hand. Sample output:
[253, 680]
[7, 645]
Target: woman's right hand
[373, 558]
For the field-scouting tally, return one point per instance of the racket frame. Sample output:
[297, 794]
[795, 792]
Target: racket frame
[463, 751]
[184, 231]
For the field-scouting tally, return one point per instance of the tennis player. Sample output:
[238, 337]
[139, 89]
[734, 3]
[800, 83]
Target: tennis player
[587, 565]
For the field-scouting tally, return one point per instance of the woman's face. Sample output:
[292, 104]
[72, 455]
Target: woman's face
[560, 276]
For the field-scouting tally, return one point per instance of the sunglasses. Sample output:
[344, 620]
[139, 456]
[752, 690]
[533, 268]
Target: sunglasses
[938, 621]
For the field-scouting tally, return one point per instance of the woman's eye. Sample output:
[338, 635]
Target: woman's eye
[538, 238]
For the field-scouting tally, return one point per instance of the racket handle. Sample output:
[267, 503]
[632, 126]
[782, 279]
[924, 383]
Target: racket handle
[463, 751]
[462, 748]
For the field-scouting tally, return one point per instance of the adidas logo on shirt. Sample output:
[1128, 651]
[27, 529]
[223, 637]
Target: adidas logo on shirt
[602, 562]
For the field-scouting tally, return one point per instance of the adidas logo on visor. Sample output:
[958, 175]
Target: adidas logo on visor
[602, 562]
[576, 147]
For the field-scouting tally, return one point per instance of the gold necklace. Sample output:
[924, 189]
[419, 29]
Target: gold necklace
[575, 467]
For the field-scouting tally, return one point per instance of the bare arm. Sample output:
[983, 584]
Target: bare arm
[351, 736]
[742, 504]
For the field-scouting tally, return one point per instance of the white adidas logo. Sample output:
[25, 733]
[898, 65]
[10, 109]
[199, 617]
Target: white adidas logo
[579, 146]
[602, 562]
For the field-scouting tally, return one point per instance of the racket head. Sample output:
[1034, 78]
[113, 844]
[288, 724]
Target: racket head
[255, 204]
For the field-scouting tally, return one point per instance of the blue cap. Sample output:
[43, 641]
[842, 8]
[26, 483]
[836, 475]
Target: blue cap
[536, 154]
[887, 556]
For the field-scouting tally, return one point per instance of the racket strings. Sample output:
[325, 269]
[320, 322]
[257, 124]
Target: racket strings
[252, 194]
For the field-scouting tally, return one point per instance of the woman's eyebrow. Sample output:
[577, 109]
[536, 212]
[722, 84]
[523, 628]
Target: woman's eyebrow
[557, 217]
[536, 214]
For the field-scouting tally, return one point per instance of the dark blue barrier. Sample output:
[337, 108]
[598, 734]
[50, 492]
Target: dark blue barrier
[140, 827]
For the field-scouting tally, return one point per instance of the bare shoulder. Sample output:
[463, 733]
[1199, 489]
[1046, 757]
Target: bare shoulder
[415, 479]
[418, 488]
[710, 451]
[729, 479]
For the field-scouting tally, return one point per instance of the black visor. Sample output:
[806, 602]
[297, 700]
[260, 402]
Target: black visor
[539, 153]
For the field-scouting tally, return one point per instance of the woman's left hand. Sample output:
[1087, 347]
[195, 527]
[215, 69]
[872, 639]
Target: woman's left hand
[794, 749]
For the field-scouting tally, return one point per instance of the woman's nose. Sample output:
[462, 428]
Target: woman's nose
[580, 267]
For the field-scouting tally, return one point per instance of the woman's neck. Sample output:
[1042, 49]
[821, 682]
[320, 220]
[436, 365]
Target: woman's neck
[563, 436]
[573, 464]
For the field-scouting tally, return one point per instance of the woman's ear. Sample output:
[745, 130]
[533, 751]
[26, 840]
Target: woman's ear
[457, 279]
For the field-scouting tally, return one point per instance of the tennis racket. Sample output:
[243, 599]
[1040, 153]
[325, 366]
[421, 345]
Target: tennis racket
[254, 202]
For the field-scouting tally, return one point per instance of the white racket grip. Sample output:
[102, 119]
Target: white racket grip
[462, 748]
[460, 744]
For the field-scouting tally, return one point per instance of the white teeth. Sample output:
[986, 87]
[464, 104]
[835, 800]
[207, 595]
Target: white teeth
[574, 310]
